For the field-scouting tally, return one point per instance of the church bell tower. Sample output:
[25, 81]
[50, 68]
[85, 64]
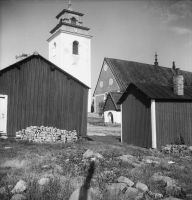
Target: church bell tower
[70, 46]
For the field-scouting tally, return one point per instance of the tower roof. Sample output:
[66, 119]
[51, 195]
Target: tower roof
[68, 11]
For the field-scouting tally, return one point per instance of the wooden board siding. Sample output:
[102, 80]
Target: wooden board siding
[136, 119]
[173, 119]
[109, 104]
[38, 96]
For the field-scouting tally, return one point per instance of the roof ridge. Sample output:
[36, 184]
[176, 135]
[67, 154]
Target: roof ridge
[36, 54]
[146, 64]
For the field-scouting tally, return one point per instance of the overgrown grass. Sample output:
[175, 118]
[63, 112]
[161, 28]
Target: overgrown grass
[65, 162]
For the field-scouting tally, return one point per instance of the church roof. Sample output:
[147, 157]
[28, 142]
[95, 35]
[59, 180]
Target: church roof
[157, 91]
[126, 72]
[68, 11]
[67, 24]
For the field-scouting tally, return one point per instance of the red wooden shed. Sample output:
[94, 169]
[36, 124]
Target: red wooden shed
[35, 92]
[153, 115]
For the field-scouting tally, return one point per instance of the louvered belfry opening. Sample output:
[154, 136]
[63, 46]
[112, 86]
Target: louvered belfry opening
[73, 21]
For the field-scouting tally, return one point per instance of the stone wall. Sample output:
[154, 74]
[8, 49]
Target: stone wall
[46, 134]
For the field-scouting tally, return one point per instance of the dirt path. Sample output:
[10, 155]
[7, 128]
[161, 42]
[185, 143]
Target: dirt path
[103, 130]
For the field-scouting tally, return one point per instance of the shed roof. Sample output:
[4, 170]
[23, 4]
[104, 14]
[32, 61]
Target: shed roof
[115, 96]
[156, 91]
[126, 72]
[37, 55]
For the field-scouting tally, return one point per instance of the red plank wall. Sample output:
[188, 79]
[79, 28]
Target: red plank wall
[136, 119]
[39, 96]
[173, 119]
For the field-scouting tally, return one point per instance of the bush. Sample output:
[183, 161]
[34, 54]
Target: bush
[101, 107]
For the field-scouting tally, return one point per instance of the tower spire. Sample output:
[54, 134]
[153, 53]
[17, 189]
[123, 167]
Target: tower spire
[156, 63]
[69, 5]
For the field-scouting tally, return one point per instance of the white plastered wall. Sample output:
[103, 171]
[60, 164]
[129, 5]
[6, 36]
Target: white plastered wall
[116, 116]
[79, 65]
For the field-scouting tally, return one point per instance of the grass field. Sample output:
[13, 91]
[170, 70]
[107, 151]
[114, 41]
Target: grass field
[65, 162]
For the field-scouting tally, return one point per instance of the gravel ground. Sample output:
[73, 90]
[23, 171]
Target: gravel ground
[103, 130]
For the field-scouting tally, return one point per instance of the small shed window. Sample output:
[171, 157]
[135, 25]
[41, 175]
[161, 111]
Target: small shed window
[75, 47]
[73, 21]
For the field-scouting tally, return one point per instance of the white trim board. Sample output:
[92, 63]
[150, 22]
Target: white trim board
[121, 123]
[99, 95]
[153, 124]
[5, 113]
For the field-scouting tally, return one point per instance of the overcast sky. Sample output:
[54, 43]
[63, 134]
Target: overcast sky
[129, 30]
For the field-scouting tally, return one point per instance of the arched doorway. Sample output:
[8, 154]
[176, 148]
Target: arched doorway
[110, 117]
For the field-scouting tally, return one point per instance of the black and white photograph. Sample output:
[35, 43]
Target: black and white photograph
[95, 99]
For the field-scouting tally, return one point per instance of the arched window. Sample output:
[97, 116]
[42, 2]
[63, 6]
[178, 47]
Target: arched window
[75, 47]
[110, 117]
[73, 20]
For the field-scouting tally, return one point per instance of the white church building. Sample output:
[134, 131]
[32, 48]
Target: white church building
[70, 46]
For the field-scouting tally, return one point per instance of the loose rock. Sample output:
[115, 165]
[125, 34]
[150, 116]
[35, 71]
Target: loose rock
[75, 195]
[18, 197]
[141, 186]
[131, 192]
[123, 179]
[115, 188]
[130, 159]
[20, 187]
[89, 153]
[43, 181]
[158, 177]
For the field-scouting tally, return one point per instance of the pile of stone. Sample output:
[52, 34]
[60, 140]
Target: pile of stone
[46, 134]
[173, 148]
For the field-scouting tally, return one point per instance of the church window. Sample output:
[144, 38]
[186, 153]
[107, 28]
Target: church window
[110, 81]
[73, 21]
[75, 47]
[101, 84]
[105, 67]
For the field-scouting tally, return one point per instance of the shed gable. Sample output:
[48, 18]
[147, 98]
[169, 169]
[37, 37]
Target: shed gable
[109, 105]
[39, 94]
[136, 119]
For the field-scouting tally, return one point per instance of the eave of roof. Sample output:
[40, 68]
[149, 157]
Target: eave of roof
[68, 11]
[67, 24]
[158, 92]
[36, 55]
